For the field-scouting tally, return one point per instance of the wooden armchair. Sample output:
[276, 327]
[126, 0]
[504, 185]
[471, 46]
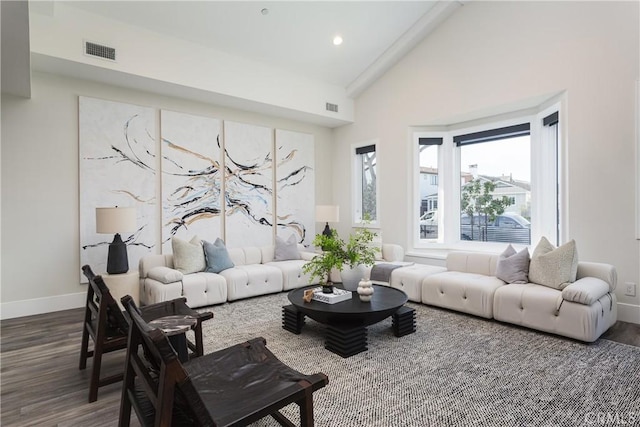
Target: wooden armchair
[231, 387]
[107, 326]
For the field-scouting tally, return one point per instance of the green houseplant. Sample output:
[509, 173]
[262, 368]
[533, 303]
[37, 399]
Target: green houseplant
[336, 253]
[358, 254]
[331, 257]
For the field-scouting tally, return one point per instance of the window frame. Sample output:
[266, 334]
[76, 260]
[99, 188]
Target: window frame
[356, 181]
[546, 189]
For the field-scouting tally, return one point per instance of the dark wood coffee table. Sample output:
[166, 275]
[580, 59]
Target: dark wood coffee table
[346, 321]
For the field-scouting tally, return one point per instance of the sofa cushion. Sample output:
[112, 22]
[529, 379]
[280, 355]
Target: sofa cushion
[217, 256]
[513, 267]
[585, 291]
[554, 267]
[165, 274]
[286, 250]
[188, 257]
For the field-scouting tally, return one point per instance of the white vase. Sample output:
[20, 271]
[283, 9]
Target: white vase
[351, 276]
[365, 290]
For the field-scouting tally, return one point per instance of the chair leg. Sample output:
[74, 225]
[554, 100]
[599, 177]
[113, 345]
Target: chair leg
[306, 408]
[94, 383]
[197, 333]
[84, 347]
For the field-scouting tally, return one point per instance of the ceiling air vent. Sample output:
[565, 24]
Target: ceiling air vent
[332, 107]
[101, 51]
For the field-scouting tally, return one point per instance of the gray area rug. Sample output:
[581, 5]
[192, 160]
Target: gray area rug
[456, 370]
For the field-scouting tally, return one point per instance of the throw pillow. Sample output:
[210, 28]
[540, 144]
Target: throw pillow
[286, 250]
[188, 257]
[554, 267]
[513, 267]
[164, 274]
[217, 256]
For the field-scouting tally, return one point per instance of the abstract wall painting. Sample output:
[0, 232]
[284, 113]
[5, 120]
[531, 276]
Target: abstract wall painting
[191, 177]
[295, 186]
[248, 185]
[117, 168]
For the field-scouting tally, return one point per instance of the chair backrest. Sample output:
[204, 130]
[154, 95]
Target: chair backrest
[164, 382]
[103, 307]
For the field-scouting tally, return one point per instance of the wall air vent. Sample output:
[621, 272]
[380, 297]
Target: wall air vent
[101, 51]
[332, 107]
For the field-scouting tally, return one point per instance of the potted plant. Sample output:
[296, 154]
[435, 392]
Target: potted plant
[358, 254]
[331, 257]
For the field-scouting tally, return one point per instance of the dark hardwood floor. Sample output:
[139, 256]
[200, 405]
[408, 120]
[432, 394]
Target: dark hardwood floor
[42, 386]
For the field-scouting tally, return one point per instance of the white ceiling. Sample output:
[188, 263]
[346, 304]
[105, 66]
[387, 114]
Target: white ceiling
[294, 35]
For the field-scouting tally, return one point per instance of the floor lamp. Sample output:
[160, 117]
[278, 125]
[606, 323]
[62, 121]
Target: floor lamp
[116, 220]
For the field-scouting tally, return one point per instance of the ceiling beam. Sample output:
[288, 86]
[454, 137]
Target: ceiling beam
[425, 25]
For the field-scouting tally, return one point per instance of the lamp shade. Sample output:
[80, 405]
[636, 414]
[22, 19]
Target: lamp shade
[115, 220]
[327, 213]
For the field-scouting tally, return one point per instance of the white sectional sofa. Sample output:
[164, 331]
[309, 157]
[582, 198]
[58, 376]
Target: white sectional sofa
[255, 272]
[583, 310]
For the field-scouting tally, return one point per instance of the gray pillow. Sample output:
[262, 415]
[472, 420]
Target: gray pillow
[554, 267]
[513, 267]
[188, 257]
[287, 250]
[217, 256]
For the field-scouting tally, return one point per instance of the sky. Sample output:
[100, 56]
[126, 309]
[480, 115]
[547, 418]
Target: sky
[495, 158]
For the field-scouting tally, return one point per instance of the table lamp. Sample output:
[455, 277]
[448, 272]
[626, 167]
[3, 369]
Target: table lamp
[116, 220]
[327, 214]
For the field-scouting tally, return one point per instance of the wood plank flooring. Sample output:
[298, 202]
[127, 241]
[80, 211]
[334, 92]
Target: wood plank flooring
[42, 386]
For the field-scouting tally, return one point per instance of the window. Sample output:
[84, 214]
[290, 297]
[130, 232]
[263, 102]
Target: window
[429, 190]
[495, 179]
[365, 183]
[493, 182]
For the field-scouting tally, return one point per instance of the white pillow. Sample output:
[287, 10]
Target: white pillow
[164, 275]
[554, 267]
[188, 257]
[286, 250]
[586, 290]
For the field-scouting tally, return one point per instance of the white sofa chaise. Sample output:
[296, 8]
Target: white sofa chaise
[583, 310]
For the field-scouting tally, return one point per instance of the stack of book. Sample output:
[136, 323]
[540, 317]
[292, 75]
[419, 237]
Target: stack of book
[338, 295]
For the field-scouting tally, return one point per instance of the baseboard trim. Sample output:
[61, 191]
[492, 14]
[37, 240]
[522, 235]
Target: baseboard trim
[629, 312]
[30, 307]
[9, 310]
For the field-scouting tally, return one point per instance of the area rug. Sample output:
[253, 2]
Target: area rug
[456, 370]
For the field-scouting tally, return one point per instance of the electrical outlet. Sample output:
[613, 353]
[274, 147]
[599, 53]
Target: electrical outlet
[630, 289]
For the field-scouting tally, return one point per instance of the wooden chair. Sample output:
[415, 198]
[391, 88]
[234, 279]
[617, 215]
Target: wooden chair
[231, 387]
[107, 326]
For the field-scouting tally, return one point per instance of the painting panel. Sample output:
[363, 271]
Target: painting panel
[295, 186]
[248, 185]
[117, 146]
[191, 177]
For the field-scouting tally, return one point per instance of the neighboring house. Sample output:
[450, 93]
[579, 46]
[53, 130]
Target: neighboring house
[518, 191]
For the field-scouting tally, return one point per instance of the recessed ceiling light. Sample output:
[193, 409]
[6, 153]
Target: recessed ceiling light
[265, 11]
[337, 40]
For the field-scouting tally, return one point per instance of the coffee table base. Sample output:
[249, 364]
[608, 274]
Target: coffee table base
[292, 319]
[346, 342]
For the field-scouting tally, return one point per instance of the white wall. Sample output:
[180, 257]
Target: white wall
[494, 56]
[57, 39]
[40, 196]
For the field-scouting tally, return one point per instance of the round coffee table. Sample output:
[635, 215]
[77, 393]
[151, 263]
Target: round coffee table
[347, 321]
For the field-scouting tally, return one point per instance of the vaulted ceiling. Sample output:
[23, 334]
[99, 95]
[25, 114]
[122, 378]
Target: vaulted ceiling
[293, 36]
